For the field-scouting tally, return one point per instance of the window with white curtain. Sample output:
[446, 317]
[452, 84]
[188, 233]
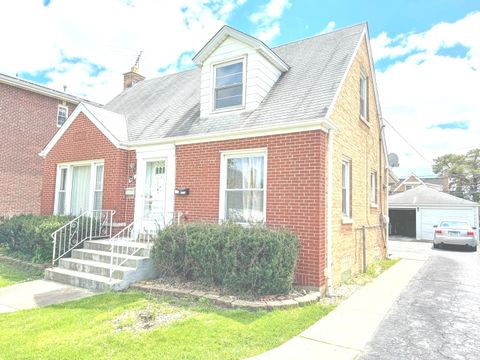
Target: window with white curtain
[243, 192]
[79, 188]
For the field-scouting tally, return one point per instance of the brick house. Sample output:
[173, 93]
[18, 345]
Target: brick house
[290, 136]
[30, 114]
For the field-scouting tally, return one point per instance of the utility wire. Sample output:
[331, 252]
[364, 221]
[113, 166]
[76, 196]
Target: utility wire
[408, 143]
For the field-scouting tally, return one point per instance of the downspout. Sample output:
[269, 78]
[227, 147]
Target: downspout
[329, 212]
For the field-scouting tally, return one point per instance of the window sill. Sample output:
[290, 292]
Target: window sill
[229, 109]
[365, 121]
[374, 206]
[347, 220]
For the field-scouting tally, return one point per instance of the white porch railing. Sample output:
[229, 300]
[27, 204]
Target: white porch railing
[93, 224]
[129, 240]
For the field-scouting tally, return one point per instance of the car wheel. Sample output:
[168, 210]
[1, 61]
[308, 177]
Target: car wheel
[474, 248]
[435, 246]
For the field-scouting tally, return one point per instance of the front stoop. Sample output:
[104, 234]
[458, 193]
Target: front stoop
[90, 267]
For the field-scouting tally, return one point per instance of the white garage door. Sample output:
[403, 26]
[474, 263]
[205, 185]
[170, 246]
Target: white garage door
[430, 217]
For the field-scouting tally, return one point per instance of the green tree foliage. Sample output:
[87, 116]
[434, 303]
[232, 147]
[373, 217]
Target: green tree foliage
[463, 172]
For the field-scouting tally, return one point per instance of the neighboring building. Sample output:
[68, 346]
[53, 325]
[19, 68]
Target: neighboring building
[414, 212]
[289, 136]
[439, 183]
[30, 114]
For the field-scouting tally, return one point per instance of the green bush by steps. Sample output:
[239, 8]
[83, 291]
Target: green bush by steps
[27, 237]
[254, 260]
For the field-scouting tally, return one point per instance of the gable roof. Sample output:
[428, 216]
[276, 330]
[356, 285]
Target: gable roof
[255, 43]
[112, 125]
[169, 106]
[40, 89]
[423, 195]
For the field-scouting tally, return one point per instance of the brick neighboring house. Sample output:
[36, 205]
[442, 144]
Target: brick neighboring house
[30, 114]
[290, 136]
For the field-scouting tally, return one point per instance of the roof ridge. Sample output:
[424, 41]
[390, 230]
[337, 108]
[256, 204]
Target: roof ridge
[320, 35]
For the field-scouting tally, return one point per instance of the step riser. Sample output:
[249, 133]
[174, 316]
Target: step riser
[81, 282]
[117, 249]
[96, 270]
[76, 254]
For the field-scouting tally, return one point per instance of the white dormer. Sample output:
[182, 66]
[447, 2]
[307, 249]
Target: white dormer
[238, 71]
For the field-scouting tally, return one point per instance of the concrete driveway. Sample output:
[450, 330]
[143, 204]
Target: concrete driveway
[437, 316]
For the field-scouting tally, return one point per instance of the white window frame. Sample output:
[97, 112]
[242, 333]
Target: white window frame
[68, 188]
[373, 189]
[235, 154]
[62, 107]
[363, 95]
[243, 60]
[347, 164]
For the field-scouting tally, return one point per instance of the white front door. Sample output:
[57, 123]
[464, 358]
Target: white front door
[154, 195]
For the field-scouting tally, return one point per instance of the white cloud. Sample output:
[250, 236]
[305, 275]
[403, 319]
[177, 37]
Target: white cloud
[424, 88]
[66, 37]
[267, 19]
[330, 26]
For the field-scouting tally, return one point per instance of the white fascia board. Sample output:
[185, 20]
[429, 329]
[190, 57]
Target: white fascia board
[226, 31]
[322, 124]
[80, 109]
[438, 206]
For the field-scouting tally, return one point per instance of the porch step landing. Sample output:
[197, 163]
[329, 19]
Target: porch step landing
[90, 267]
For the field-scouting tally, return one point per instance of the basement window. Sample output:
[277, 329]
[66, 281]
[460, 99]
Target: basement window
[228, 85]
[62, 115]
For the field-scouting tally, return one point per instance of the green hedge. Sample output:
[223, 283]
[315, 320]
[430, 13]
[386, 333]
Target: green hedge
[254, 260]
[27, 237]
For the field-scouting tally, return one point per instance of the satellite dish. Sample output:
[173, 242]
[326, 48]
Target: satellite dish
[393, 160]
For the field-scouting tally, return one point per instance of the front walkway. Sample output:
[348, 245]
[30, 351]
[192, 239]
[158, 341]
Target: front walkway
[344, 332]
[37, 293]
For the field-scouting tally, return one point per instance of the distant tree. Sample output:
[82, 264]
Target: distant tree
[463, 173]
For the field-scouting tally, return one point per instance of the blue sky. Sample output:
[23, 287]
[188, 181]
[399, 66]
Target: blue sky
[427, 53]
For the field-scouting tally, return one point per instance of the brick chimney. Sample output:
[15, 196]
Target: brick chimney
[132, 77]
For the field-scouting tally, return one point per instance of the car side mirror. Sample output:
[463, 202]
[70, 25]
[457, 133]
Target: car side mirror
[435, 226]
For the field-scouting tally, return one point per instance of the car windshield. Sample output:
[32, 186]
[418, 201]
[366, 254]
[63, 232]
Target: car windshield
[460, 224]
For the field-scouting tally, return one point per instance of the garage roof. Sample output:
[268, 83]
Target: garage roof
[423, 195]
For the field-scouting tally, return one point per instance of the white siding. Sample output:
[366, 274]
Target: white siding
[260, 74]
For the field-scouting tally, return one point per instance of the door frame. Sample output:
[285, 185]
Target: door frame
[155, 153]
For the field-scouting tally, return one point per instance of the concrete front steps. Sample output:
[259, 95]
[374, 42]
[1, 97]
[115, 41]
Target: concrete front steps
[90, 267]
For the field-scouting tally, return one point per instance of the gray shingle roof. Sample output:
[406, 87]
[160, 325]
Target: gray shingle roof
[423, 195]
[169, 106]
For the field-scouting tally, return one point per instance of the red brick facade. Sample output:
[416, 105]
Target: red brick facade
[295, 189]
[295, 183]
[27, 122]
[83, 141]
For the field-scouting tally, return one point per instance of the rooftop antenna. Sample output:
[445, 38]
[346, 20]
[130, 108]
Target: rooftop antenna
[136, 66]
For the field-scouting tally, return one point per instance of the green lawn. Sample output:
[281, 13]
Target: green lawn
[88, 329]
[11, 274]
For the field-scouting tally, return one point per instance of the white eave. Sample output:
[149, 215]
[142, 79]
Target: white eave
[258, 45]
[39, 89]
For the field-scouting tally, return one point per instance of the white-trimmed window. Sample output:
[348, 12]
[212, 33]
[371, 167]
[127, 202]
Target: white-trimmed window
[373, 188]
[243, 187]
[346, 188]
[228, 85]
[62, 115]
[363, 97]
[79, 187]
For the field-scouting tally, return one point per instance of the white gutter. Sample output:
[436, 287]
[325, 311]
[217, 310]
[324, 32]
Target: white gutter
[329, 274]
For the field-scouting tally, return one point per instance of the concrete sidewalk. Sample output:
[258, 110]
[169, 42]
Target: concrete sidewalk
[37, 293]
[344, 332]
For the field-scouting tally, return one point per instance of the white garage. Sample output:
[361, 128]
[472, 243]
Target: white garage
[422, 207]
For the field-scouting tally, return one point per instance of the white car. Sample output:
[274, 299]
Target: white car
[455, 232]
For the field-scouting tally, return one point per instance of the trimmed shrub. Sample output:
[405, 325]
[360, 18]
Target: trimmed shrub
[27, 237]
[255, 260]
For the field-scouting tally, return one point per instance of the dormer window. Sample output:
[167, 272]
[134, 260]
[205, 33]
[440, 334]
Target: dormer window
[228, 88]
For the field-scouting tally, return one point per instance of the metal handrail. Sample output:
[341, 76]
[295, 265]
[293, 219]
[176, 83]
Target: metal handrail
[92, 224]
[134, 234]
